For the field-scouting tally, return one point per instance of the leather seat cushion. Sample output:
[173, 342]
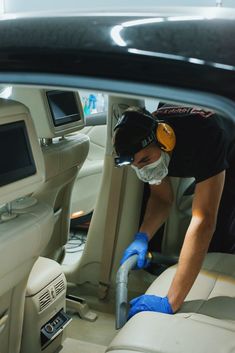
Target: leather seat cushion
[205, 322]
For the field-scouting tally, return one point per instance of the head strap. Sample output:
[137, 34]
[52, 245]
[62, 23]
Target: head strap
[142, 120]
[133, 118]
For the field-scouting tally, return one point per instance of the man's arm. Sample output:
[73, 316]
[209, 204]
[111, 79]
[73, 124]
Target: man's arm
[197, 239]
[158, 207]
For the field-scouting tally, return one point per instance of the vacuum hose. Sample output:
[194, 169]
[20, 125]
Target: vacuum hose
[122, 282]
[122, 290]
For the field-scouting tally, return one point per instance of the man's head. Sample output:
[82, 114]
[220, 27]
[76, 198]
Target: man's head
[134, 132]
[139, 140]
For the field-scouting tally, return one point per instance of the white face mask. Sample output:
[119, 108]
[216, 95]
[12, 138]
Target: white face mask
[154, 173]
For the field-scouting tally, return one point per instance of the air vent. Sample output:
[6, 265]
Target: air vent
[44, 300]
[59, 287]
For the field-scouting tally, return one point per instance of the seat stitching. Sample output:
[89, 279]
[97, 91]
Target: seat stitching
[196, 319]
[215, 264]
[216, 279]
[213, 268]
[97, 144]
[203, 301]
[132, 349]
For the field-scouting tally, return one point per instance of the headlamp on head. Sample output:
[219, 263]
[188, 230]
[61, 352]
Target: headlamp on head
[149, 130]
[121, 161]
[130, 121]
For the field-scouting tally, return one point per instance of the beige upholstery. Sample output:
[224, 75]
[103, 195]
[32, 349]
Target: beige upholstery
[88, 268]
[45, 297]
[10, 112]
[179, 217]
[23, 236]
[63, 159]
[88, 180]
[35, 99]
[205, 323]
[43, 273]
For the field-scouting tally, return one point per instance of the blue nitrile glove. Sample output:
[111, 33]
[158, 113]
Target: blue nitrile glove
[149, 303]
[140, 247]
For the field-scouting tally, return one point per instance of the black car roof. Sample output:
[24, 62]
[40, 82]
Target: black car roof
[192, 50]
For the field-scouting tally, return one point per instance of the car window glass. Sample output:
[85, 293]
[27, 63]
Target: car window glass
[151, 104]
[93, 102]
[95, 107]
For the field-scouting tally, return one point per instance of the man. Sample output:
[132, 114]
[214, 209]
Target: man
[182, 142]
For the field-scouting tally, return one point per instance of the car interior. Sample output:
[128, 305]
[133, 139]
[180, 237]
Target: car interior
[58, 163]
[88, 180]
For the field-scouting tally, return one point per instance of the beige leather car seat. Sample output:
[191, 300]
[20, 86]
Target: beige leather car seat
[179, 217]
[205, 323]
[88, 181]
[26, 224]
[63, 155]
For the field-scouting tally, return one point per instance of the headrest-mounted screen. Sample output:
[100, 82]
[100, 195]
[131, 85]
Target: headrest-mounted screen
[63, 107]
[17, 159]
[55, 112]
[22, 169]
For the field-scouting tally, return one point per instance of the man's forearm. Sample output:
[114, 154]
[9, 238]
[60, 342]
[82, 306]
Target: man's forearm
[195, 247]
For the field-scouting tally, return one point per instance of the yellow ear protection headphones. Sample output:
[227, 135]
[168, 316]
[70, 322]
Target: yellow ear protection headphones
[153, 131]
[156, 130]
[165, 136]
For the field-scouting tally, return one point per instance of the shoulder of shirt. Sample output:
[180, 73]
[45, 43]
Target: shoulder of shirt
[169, 110]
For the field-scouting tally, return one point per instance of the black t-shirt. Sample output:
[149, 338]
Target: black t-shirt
[205, 141]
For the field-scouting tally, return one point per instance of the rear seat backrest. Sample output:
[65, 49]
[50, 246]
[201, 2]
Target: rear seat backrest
[180, 216]
[25, 230]
[88, 181]
[63, 156]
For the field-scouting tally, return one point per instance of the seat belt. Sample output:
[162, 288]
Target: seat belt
[110, 231]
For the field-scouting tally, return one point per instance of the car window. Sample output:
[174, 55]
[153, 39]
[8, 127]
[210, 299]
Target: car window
[93, 102]
[95, 107]
[151, 104]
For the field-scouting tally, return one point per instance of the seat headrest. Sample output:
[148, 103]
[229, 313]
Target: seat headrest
[22, 168]
[55, 112]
